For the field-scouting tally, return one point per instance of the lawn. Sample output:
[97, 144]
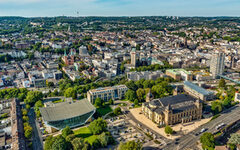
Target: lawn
[58, 101]
[86, 134]
[104, 110]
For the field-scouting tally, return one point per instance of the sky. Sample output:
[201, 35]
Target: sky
[49, 8]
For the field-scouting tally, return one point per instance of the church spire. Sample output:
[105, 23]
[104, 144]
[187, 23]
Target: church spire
[65, 53]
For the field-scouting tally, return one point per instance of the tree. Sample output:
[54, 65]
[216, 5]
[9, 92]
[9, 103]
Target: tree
[21, 96]
[136, 102]
[111, 102]
[70, 137]
[25, 118]
[33, 96]
[66, 131]
[234, 139]
[147, 84]
[131, 95]
[131, 85]
[96, 144]
[49, 142]
[117, 111]
[138, 47]
[98, 102]
[28, 106]
[39, 104]
[168, 130]
[70, 92]
[122, 67]
[140, 94]
[59, 144]
[222, 83]
[98, 126]
[28, 132]
[207, 140]
[130, 145]
[79, 143]
[227, 102]
[103, 139]
[216, 107]
[50, 84]
[24, 112]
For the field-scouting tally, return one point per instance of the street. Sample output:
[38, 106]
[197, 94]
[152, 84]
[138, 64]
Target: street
[190, 140]
[37, 142]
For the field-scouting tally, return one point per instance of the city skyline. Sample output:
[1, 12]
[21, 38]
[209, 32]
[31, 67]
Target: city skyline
[45, 8]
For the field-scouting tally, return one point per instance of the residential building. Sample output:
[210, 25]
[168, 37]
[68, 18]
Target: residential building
[83, 52]
[198, 92]
[107, 93]
[217, 64]
[237, 97]
[18, 138]
[147, 75]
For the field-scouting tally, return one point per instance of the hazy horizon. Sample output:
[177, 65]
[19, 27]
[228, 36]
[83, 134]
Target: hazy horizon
[120, 8]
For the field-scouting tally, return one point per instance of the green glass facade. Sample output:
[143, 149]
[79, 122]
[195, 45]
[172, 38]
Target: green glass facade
[71, 122]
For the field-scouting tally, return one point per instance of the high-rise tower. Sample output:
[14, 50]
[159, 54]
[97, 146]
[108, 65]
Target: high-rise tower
[217, 64]
[133, 57]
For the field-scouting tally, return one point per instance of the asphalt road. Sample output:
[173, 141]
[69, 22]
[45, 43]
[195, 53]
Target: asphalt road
[190, 140]
[37, 141]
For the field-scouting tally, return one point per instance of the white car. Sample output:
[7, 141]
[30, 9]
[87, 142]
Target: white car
[203, 130]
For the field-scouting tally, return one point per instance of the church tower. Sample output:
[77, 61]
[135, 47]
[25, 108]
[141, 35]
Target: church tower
[149, 96]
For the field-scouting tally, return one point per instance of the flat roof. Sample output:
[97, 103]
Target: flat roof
[107, 88]
[197, 88]
[177, 71]
[66, 110]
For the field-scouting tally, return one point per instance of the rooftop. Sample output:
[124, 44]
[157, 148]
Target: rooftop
[108, 88]
[177, 103]
[177, 71]
[197, 88]
[66, 110]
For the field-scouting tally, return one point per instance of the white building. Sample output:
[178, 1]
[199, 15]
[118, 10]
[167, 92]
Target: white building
[217, 64]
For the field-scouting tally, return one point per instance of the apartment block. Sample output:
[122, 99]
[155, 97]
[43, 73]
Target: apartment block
[107, 93]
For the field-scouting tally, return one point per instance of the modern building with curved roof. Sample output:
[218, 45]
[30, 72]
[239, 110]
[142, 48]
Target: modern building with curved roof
[69, 113]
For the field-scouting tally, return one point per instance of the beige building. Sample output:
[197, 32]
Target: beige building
[179, 74]
[172, 110]
[107, 93]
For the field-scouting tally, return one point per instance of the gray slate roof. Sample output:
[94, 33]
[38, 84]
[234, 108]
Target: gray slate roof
[66, 110]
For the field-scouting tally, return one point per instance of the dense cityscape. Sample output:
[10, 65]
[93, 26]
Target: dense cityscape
[124, 83]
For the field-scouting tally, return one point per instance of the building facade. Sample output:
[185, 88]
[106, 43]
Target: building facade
[68, 60]
[179, 74]
[172, 110]
[57, 116]
[107, 93]
[198, 92]
[147, 75]
[18, 138]
[217, 64]
[133, 58]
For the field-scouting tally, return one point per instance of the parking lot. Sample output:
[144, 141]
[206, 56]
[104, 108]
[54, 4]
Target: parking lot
[123, 131]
